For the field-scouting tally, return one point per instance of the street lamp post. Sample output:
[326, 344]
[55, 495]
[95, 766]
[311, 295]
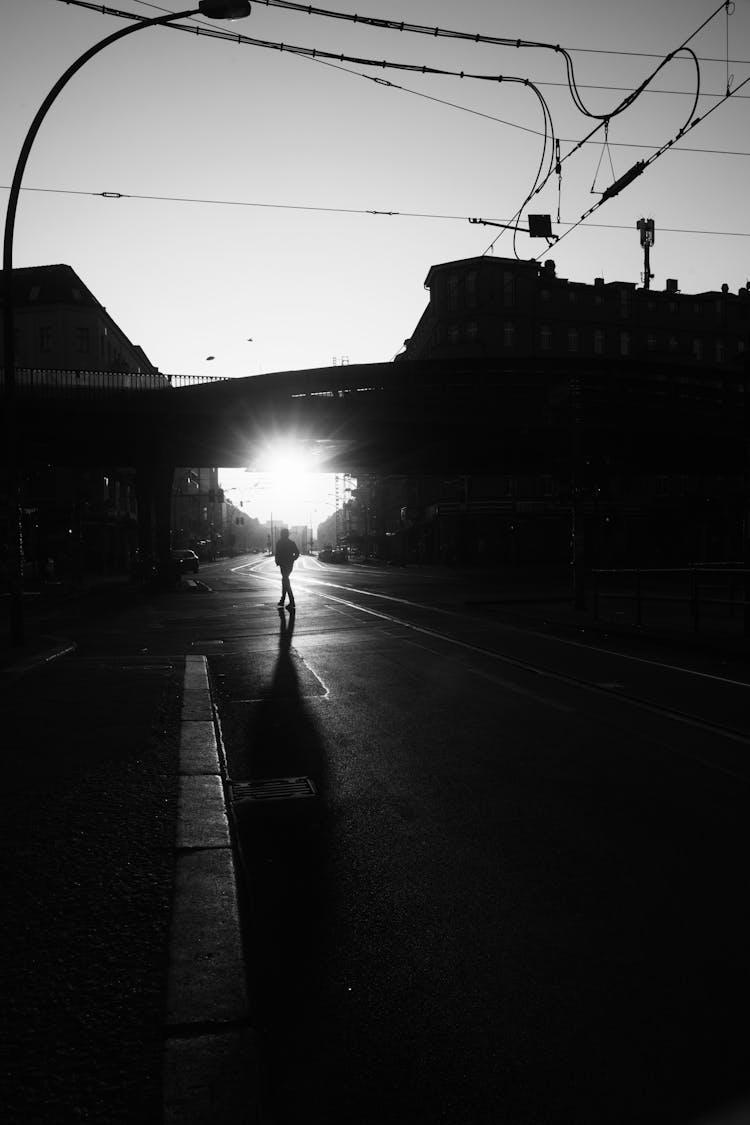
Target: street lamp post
[213, 9]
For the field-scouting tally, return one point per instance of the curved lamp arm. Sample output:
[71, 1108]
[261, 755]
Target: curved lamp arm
[15, 187]
[213, 9]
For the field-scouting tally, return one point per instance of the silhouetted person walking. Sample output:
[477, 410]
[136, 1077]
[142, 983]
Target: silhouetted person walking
[285, 557]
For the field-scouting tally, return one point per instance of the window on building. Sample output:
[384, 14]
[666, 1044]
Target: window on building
[472, 331]
[547, 486]
[673, 345]
[598, 341]
[662, 486]
[720, 351]
[598, 298]
[740, 346]
[45, 338]
[651, 342]
[509, 334]
[673, 306]
[506, 486]
[82, 339]
[624, 343]
[544, 295]
[471, 289]
[572, 339]
[572, 297]
[697, 348]
[454, 334]
[453, 292]
[545, 337]
[509, 288]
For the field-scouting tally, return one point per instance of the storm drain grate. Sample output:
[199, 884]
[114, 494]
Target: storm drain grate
[273, 789]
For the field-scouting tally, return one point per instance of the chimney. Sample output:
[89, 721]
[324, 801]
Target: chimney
[549, 267]
[673, 286]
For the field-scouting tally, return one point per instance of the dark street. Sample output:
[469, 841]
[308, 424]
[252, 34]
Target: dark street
[517, 891]
[375, 563]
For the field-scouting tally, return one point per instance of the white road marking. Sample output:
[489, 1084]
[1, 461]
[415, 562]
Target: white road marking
[558, 640]
[584, 685]
[571, 681]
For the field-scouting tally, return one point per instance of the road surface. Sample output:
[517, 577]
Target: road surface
[519, 894]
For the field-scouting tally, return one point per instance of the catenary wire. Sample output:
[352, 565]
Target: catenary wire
[572, 50]
[437, 32]
[527, 128]
[207, 29]
[548, 136]
[349, 210]
[467, 109]
[647, 162]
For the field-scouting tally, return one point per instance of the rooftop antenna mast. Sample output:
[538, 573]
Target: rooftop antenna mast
[648, 238]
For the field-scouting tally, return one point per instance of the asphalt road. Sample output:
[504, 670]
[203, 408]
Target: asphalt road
[520, 892]
[517, 896]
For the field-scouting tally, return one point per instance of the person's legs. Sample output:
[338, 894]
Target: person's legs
[286, 588]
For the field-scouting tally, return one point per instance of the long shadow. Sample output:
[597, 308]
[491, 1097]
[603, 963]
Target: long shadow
[284, 847]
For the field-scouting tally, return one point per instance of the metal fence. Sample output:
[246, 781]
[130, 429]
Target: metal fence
[719, 592]
[50, 383]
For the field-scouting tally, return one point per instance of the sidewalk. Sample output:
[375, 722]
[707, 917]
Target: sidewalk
[88, 811]
[124, 986]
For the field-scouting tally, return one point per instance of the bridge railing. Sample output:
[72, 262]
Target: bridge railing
[53, 382]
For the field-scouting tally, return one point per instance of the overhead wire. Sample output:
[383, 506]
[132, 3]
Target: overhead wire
[642, 165]
[548, 136]
[553, 161]
[515, 124]
[603, 118]
[547, 82]
[375, 212]
[502, 41]
[572, 50]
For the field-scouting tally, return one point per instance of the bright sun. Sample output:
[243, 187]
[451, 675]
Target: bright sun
[285, 485]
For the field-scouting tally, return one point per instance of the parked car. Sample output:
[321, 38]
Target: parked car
[184, 561]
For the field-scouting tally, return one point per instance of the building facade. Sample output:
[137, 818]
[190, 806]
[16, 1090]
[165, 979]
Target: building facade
[502, 307]
[61, 326]
[678, 345]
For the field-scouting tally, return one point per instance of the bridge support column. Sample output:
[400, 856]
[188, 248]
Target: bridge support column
[153, 484]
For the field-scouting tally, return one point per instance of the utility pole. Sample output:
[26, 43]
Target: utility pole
[648, 238]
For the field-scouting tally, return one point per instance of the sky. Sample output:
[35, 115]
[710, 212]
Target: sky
[281, 266]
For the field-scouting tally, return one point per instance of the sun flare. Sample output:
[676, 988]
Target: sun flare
[285, 485]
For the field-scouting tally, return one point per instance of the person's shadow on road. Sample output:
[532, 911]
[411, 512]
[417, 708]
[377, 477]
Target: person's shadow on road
[285, 845]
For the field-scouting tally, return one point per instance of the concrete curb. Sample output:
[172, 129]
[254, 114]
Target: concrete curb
[211, 1071]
